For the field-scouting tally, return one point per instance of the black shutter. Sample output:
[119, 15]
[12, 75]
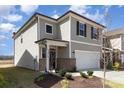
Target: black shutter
[85, 30]
[91, 32]
[77, 27]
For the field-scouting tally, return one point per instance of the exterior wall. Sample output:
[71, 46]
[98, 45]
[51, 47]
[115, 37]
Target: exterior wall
[85, 47]
[64, 30]
[66, 64]
[26, 52]
[116, 43]
[63, 52]
[122, 42]
[42, 32]
[87, 39]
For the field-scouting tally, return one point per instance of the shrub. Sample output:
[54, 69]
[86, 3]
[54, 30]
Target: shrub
[116, 66]
[62, 73]
[109, 65]
[65, 83]
[40, 77]
[83, 75]
[90, 73]
[68, 76]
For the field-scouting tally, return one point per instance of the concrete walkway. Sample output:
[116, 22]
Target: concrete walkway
[115, 76]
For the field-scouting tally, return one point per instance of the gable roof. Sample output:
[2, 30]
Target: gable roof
[36, 13]
[118, 31]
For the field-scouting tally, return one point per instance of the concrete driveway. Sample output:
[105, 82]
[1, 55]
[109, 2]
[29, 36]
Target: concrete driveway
[115, 76]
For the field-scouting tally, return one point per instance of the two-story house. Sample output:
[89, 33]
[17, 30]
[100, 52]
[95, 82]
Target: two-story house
[71, 41]
[115, 43]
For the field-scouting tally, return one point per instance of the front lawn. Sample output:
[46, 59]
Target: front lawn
[18, 77]
[114, 85]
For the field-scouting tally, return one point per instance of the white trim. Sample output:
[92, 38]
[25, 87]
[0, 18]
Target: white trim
[45, 18]
[49, 25]
[87, 51]
[70, 37]
[86, 43]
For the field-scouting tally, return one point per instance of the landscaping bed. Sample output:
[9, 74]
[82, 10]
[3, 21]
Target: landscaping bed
[54, 81]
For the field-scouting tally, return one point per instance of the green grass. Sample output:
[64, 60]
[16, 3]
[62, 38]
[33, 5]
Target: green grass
[114, 85]
[19, 77]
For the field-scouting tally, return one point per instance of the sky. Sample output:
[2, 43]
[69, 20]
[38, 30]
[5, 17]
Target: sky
[12, 17]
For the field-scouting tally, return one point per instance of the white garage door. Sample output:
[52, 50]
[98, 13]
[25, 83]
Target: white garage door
[87, 59]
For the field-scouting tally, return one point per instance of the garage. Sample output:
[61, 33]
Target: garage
[87, 59]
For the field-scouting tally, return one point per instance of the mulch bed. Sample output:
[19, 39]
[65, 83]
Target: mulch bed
[54, 81]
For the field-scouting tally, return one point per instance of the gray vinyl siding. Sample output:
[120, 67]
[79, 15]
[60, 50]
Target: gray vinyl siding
[43, 33]
[87, 39]
[83, 47]
[63, 52]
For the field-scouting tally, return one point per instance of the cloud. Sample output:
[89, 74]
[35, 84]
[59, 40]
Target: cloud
[55, 16]
[107, 8]
[7, 12]
[6, 9]
[96, 16]
[81, 9]
[7, 27]
[120, 6]
[3, 37]
[28, 8]
[13, 17]
[84, 10]
[3, 45]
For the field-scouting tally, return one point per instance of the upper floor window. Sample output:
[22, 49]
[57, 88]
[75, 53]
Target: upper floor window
[94, 33]
[49, 28]
[81, 29]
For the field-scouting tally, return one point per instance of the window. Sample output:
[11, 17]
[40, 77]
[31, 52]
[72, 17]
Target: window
[49, 28]
[43, 52]
[81, 29]
[94, 33]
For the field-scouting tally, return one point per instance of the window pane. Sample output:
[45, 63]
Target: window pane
[48, 29]
[81, 26]
[81, 32]
[81, 29]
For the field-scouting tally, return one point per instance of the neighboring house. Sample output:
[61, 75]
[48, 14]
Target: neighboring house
[69, 42]
[114, 41]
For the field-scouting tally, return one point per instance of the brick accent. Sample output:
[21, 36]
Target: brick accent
[66, 63]
[42, 64]
[62, 63]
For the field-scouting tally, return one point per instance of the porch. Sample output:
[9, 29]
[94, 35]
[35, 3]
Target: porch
[54, 54]
[112, 55]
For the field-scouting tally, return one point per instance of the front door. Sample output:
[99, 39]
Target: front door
[52, 58]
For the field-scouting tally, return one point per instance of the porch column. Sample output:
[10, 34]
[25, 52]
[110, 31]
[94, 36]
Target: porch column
[47, 57]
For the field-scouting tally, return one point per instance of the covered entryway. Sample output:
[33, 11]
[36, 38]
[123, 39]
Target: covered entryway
[87, 59]
[50, 57]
